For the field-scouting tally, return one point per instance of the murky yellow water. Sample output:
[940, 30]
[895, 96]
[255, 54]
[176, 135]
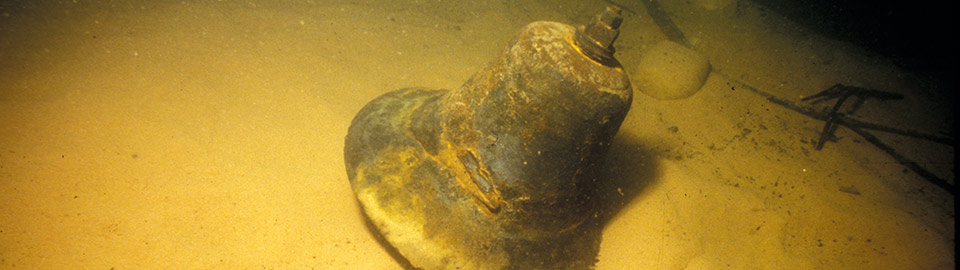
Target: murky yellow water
[209, 135]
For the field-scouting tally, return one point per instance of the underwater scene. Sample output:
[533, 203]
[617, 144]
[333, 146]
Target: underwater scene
[432, 134]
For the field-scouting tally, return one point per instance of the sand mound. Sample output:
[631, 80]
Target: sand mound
[670, 71]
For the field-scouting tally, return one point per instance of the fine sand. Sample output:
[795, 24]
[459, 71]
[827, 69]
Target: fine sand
[209, 135]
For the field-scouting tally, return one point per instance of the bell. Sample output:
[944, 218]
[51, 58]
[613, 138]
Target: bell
[502, 172]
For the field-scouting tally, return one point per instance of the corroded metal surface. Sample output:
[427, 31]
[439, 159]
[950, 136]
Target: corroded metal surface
[501, 172]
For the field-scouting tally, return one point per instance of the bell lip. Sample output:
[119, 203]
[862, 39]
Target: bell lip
[398, 214]
[573, 249]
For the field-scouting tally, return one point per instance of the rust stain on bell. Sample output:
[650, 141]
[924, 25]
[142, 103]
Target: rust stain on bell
[500, 173]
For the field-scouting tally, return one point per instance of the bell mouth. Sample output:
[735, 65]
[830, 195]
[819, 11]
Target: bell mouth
[500, 173]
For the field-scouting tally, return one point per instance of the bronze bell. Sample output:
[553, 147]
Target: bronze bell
[500, 173]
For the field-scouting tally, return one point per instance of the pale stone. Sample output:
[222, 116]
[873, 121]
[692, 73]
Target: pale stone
[670, 71]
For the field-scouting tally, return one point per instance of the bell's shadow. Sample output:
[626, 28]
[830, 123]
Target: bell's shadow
[630, 167]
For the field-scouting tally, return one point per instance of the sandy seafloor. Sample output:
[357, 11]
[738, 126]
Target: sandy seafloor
[209, 135]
